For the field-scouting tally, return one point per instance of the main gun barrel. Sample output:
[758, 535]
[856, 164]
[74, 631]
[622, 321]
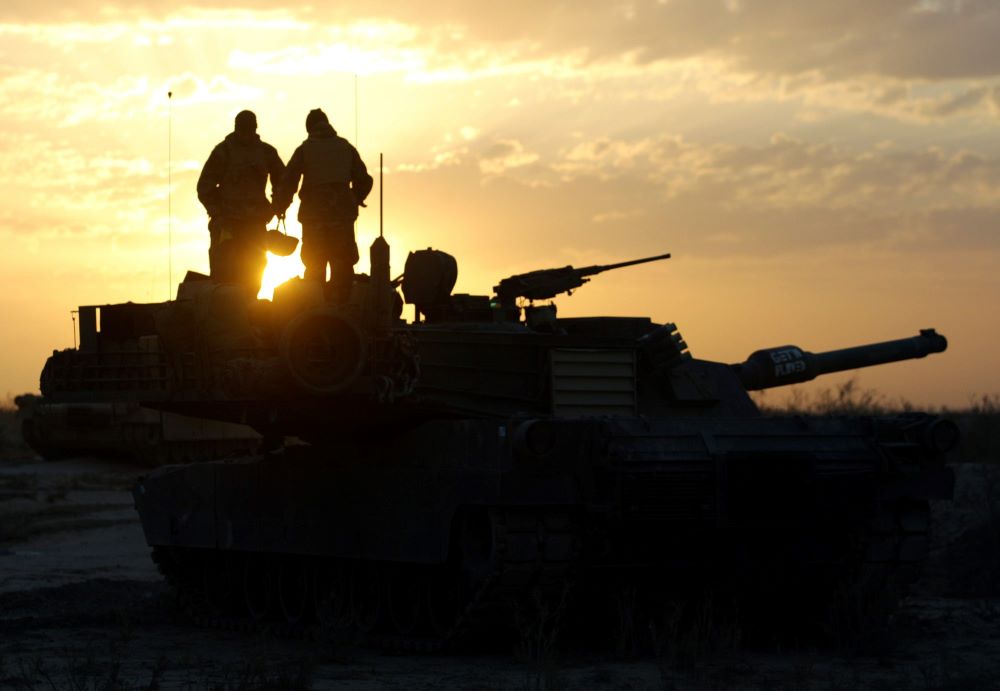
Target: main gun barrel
[785, 365]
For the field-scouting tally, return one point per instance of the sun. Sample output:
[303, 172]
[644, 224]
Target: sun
[277, 271]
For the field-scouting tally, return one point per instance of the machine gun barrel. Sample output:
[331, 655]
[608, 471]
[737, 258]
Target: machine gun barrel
[785, 365]
[600, 268]
[547, 283]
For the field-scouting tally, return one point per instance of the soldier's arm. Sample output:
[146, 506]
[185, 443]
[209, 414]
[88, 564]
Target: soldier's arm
[276, 171]
[361, 181]
[210, 178]
[288, 183]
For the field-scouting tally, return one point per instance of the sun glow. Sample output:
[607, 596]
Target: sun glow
[277, 271]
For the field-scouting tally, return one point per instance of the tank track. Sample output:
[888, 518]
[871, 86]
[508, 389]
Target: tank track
[534, 562]
[892, 552]
[531, 566]
[850, 601]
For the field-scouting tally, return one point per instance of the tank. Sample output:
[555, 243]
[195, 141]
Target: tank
[91, 398]
[431, 479]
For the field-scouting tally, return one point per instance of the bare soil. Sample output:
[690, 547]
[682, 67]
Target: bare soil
[82, 607]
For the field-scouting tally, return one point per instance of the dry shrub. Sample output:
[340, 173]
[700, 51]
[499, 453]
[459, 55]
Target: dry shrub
[979, 422]
[12, 444]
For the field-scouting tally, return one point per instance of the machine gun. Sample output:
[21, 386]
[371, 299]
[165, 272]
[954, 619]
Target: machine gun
[547, 283]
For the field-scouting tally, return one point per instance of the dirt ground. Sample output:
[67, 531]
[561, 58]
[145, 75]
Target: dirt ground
[82, 607]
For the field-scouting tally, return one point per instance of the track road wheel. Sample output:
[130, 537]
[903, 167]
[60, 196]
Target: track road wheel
[368, 596]
[293, 591]
[476, 545]
[887, 557]
[218, 584]
[405, 601]
[444, 601]
[331, 590]
[258, 588]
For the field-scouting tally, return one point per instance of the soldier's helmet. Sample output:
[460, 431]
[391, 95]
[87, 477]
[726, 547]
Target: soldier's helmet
[246, 122]
[316, 120]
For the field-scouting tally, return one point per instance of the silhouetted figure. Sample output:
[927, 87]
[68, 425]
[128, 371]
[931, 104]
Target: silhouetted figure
[232, 189]
[335, 182]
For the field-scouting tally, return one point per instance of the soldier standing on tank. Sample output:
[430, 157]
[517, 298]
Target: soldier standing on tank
[335, 182]
[232, 189]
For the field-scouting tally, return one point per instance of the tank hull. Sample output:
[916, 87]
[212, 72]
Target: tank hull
[500, 511]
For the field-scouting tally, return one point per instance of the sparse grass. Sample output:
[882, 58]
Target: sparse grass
[980, 428]
[979, 422]
[23, 522]
[256, 675]
[90, 671]
[628, 632]
[973, 557]
[538, 624]
[849, 398]
[690, 631]
[12, 444]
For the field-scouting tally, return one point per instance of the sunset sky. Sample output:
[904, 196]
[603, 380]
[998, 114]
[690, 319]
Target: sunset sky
[825, 173]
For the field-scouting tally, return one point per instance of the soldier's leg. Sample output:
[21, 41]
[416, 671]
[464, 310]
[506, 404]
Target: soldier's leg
[243, 257]
[343, 257]
[221, 261]
[253, 259]
[314, 251]
[213, 249]
[228, 262]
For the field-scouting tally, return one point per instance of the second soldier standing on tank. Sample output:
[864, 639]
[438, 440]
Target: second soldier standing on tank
[335, 182]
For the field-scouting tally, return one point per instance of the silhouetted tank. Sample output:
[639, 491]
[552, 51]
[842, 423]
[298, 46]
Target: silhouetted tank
[454, 472]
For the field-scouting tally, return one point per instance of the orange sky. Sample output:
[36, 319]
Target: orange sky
[824, 173]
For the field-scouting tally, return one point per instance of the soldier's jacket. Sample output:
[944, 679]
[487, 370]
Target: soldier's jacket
[233, 180]
[334, 178]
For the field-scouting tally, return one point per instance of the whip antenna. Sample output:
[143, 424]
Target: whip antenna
[380, 194]
[170, 192]
[357, 135]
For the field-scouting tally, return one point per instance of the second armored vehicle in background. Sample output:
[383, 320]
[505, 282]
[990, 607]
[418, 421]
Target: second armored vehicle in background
[91, 406]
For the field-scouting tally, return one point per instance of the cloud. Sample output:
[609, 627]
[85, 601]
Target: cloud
[823, 58]
[786, 172]
[361, 48]
[189, 89]
[595, 82]
[908, 39]
[37, 95]
[55, 189]
[784, 197]
[615, 215]
[892, 98]
[898, 38]
[961, 103]
[504, 155]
